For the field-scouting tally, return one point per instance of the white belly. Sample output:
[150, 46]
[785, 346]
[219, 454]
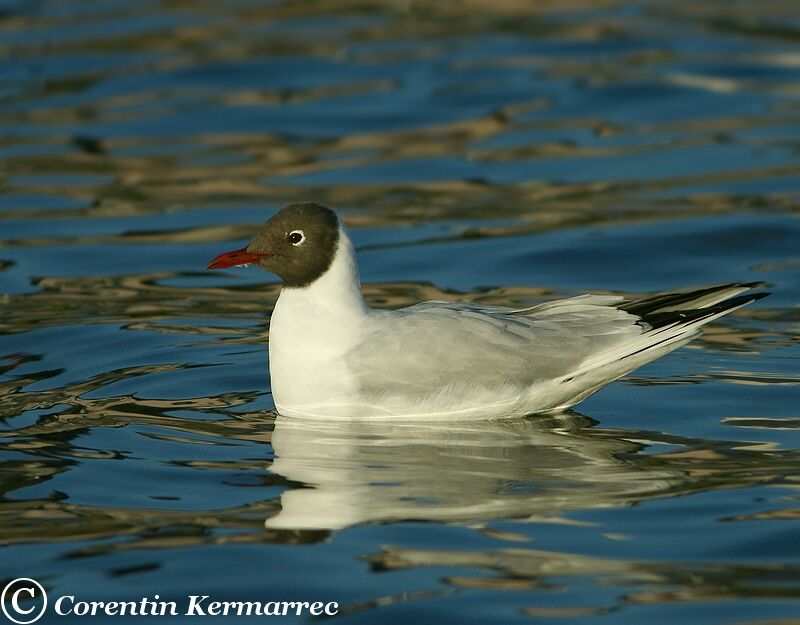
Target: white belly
[306, 381]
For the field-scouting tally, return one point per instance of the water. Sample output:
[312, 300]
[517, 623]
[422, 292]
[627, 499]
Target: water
[503, 152]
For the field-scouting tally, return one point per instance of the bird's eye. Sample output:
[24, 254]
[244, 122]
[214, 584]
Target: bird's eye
[296, 237]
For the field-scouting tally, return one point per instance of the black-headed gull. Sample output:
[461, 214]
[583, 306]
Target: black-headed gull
[331, 355]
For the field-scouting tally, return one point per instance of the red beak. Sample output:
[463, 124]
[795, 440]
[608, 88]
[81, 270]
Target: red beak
[236, 257]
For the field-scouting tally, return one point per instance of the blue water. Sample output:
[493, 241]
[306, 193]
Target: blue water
[498, 152]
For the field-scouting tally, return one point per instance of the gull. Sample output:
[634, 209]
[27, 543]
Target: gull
[333, 356]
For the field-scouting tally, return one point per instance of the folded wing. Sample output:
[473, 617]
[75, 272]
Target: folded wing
[436, 345]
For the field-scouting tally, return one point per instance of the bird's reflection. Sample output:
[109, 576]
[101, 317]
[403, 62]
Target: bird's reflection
[360, 472]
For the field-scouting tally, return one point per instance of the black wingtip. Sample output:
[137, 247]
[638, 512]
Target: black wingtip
[739, 300]
[753, 297]
[654, 304]
[661, 319]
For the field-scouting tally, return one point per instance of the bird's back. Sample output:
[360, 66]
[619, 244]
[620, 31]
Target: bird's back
[451, 359]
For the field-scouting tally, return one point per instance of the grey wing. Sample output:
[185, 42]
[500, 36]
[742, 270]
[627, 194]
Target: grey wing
[433, 345]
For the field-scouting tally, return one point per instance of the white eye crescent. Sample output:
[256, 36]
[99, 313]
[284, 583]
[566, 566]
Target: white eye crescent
[296, 237]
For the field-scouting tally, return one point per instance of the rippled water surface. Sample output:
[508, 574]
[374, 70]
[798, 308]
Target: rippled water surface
[506, 151]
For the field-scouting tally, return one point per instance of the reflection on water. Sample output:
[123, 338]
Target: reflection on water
[377, 472]
[530, 469]
[501, 152]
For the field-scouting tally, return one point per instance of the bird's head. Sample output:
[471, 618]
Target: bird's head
[298, 244]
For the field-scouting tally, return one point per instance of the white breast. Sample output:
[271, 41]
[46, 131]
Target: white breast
[311, 329]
